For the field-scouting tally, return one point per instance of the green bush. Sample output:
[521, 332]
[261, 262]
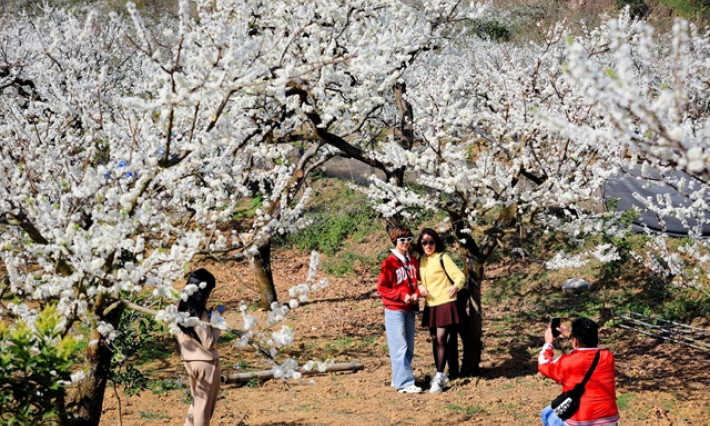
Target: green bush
[35, 370]
[689, 8]
[345, 215]
[491, 28]
[637, 8]
[141, 340]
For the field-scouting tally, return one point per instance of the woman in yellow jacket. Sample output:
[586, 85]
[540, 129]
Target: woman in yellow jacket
[439, 285]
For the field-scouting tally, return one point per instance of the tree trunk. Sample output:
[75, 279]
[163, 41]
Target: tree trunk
[406, 126]
[88, 397]
[261, 266]
[471, 331]
[475, 257]
[469, 299]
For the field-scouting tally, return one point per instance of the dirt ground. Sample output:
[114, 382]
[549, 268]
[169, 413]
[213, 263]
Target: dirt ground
[657, 383]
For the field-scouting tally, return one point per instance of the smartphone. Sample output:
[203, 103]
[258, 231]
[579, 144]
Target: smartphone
[554, 323]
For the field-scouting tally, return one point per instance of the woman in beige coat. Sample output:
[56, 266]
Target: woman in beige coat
[197, 349]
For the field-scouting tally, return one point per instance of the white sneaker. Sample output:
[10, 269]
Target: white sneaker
[437, 386]
[410, 389]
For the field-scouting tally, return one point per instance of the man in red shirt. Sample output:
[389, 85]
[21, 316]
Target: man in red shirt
[598, 404]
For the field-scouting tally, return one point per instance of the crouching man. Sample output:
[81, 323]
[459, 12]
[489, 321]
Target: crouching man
[598, 402]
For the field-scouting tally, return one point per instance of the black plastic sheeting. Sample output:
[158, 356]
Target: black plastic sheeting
[629, 182]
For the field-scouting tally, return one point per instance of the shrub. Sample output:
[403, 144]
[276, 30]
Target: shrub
[491, 28]
[637, 8]
[342, 215]
[138, 343]
[35, 369]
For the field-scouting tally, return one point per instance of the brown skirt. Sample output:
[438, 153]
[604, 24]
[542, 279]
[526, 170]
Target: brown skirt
[440, 316]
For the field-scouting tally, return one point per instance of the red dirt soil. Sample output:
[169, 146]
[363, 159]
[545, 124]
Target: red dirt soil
[658, 383]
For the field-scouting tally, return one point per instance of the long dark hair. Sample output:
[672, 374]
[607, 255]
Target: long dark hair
[196, 303]
[438, 242]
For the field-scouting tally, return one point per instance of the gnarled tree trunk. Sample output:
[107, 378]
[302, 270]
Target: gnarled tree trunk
[406, 125]
[475, 256]
[88, 397]
[471, 330]
[261, 266]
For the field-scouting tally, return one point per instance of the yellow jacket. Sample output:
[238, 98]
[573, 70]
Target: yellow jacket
[433, 278]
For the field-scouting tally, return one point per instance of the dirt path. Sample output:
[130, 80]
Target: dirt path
[657, 383]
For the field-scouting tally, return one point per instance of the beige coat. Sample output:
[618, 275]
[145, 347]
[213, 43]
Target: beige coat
[192, 350]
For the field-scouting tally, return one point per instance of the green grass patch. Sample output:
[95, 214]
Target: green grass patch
[152, 415]
[159, 387]
[668, 406]
[341, 213]
[623, 400]
[491, 29]
[346, 263]
[689, 9]
[347, 343]
[343, 227]
[246, 209]
[469, 410]
[226, 337]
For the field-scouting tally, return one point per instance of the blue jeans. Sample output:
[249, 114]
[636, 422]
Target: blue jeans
[549, 418]
[399, 326]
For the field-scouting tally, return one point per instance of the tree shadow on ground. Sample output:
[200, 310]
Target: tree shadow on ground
[655, 365]
[369, 294]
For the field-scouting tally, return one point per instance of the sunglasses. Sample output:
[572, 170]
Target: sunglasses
[405, 239]
[428, 243]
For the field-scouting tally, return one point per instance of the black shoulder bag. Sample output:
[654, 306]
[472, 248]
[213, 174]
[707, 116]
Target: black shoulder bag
[441, 262]
[567, 403]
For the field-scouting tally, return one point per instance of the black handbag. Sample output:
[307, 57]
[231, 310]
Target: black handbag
[567, 403]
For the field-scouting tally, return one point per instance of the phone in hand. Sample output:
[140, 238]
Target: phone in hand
[554, 323]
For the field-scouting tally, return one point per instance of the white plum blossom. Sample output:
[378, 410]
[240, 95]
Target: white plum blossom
[250, 321]
[107, 331]
[218, 321]
[188, 291]
[320, 366]
[300, 292]
[287, 370]
[283, 337]
[606, 253]
[242, 342]
[77, 376]
[563, 260]
[277, 313]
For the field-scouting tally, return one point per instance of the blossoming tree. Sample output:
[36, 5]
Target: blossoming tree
[128, 146]
[485, 145]
[521, 132]
[653, 92]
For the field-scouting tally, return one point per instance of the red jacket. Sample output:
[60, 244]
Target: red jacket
[598, 404]
[398, 277]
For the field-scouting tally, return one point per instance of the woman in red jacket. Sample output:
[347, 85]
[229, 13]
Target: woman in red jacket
[397, 285]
